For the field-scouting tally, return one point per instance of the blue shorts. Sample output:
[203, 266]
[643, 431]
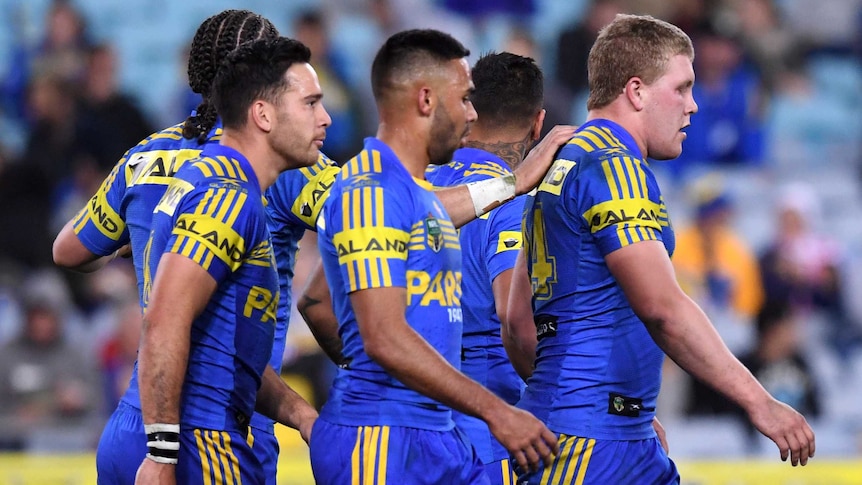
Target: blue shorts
[378, 455]
[264, 444]
[590, 461]
[122, 447]
[501, 473]
[210, 457]
[478, 434]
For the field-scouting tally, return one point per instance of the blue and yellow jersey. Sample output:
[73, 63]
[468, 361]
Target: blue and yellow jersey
[294, 202]
[121, 211]
[213, 213]
[489, 247]
[383, 228]
[597, 369]
[489, 244]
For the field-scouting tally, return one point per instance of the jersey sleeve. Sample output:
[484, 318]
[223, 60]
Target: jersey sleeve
[503, 238]
[617, 204]
[214, 225]
[370, 227]
[297, 196]
[99, 226]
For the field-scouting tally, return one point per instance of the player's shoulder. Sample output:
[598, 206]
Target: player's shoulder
[369, 168]
[601, 142]
[443, 175]
[214, 170]
[166, 140]
[474, 165]
[170, 137]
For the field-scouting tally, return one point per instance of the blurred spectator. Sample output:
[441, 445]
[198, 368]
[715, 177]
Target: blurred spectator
[689, 14]
[728, 127]
[25, 199]
[714, 264]
[718, 269]
[574, 43]
[344, 137]
[119, 353]
[50, 145]
[768, 43]
[27, 186]
[558, 112]
[60, 53]
[45, 383]
[777, 361]
[108, 121]
[802, 267]
[391, 16]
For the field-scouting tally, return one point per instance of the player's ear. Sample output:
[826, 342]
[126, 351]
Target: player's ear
[634, 92]
[425, 100]
[260, 114]
[538, 123]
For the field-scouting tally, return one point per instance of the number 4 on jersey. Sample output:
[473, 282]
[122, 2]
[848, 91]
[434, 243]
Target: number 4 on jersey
[543, 267]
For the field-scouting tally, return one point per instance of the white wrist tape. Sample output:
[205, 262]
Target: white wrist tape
[161, 428]
[163, 442]
[490, 193]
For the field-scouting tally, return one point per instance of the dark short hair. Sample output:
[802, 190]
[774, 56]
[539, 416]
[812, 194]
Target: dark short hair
[254, 71]
[404, 52]
[509, 89]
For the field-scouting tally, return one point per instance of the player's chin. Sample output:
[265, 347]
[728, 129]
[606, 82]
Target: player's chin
[312, 158]
[669, 153]
[300, 160]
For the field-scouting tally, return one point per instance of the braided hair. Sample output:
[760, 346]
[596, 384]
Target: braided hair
[217, 37]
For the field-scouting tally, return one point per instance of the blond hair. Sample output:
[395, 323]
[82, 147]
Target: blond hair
[632, 46]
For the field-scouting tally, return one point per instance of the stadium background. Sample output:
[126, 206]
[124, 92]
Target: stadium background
[786, 134]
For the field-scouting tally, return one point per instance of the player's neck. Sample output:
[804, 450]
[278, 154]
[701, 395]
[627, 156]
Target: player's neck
[408, 145]
[265, 164]
[511, 152]
[630, 120]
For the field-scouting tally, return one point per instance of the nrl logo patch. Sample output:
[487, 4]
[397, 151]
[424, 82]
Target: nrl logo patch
[619, 404]
[433, 233]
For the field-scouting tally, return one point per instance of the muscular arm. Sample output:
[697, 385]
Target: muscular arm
[457, 202]
[519, 331]
[278, 401]
[70, 253]
[404, 354]
[181, 290]
[315, 306]
[393, 344]
[683, 331]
